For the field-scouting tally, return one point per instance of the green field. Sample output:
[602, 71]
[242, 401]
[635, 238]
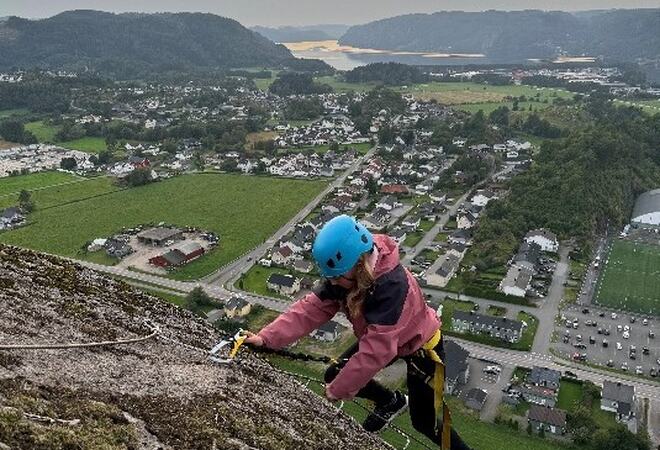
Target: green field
[65, 193]
[255, 279]
[13, 185]
[243, 211]
[46, 133]
[87, 144]
[42, 131]
[631, 278]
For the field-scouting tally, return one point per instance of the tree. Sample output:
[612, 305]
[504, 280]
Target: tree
[68, 163]
[372, 186]
[139, 177]
[25, 202]
[197, 299]
[14, 131]
[500, 117]
[580, 424]
[618, 437]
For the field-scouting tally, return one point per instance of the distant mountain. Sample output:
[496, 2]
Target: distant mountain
[134, 42]
[300, 34]
[621, 35]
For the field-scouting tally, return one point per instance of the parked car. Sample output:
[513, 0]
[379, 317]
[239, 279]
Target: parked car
[592, 340]
[645, 322]
[605, 343]
[651, 334]
[585, 311]
[626, 335]
[638, 370]
[614, 316]
[653, 372]
[632, 319]
[610, 363]
[645, 350]
[619, 346]
[624, 366]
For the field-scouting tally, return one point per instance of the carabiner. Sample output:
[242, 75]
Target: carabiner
[235, 342]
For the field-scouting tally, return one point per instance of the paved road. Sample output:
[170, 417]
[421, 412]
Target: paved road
[585, 296]
[243, 263]
[549, 306]
[507, 357]
[482, 302]
[433, 232]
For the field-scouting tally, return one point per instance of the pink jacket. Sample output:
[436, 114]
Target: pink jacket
[396, 321]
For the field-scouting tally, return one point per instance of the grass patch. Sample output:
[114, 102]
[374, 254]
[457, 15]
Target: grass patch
[630, 279]
[527, 339]
[413, 238]
[340, 85]
[62, 194]
[255, 280]
[86, 144]
[497, 311]
[570, 393]
[243, 211]
[43, 132]
[40, 180]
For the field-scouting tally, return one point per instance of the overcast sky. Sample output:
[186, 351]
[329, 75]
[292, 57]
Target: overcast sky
[305, 12]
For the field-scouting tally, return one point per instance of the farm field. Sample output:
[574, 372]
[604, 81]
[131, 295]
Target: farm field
[42, 131]
[13, 185]
[631, 278]
[243, 211]
[46, 133]
[60, 194]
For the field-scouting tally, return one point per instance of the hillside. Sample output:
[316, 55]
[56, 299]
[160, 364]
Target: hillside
[159, 393]
[134, 43]
[620, 35]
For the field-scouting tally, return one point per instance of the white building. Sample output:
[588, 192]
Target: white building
[545, 239]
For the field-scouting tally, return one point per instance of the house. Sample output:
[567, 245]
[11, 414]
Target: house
[399, 235]
[541, 376]
[442, 270]
[466, 220]
[549, 419]
[476, 398]
[618, 398]
[328, 332]
[377, 220]
[458, 250]
[528, 256]
[178, 255]
[537, 395]
[302, 265]
[10, 218]
[283, 255]
[460, 237]
[237, 307]
[283, 284]
[482, 197]
[545, 239]
[457, 369]
[497, 327]
[516, 282]
[394, 189]
[388, 203]
[412, 222]
[159, 236]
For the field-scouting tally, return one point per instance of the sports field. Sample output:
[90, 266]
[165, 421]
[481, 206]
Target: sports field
[243, 211]
[631, 278]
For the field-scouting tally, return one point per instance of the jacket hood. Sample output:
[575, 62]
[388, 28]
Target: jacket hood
[388, 254]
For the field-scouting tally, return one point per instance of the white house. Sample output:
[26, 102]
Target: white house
[545, 239]
[482, 197]
[283, 284]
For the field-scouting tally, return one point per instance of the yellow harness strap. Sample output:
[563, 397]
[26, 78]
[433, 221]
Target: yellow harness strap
[442, 416]
[238, 341]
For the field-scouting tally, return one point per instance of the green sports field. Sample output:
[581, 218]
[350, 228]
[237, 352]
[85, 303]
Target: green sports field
[631, 278]
[243, 211]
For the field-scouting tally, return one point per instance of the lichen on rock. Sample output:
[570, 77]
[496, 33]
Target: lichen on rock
[160, 393]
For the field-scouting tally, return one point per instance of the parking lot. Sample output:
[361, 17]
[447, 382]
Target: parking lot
[493, 383]
[596, 352]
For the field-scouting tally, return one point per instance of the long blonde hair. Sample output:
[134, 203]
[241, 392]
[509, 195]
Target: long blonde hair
[364, 278]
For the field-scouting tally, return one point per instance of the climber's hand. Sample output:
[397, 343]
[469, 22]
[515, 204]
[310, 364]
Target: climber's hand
[253, 339]
[329, 396]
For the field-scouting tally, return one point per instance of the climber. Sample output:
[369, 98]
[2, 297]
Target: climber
[364, 278]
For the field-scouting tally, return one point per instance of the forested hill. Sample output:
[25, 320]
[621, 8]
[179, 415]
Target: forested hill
[134, 43]
[620, 35]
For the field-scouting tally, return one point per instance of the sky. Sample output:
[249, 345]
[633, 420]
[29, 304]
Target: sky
[305, 12]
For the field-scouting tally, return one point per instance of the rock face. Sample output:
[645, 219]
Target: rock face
[159, 393]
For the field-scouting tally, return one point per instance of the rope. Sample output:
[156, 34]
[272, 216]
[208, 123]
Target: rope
[153, 334]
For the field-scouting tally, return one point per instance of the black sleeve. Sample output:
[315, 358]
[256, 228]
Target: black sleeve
[384, 302]
[327, 291]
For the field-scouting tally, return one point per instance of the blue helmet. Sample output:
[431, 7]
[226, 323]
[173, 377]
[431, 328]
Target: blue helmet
[339, 245]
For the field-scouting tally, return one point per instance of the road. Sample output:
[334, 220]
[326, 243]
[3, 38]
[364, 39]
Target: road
[433, 232]
[507, 357]
[590, 278]
[241, 265]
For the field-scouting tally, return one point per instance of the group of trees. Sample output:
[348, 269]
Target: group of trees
[376, 100]
[14, 131]
[303, 108]
[391, 74]
[577, 184]
[293, 83]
